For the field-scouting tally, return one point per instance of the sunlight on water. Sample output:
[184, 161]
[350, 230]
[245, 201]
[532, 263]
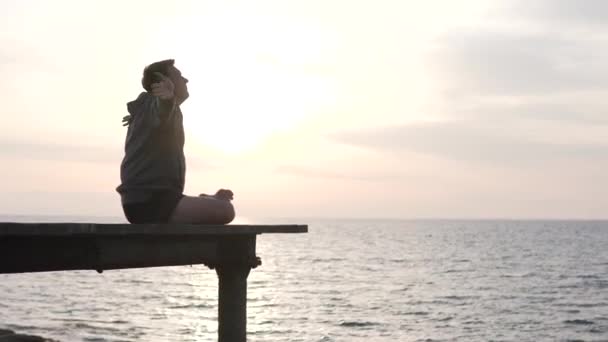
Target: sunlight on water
[348, 281]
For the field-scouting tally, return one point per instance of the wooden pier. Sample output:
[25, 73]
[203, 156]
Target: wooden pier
[230, 250]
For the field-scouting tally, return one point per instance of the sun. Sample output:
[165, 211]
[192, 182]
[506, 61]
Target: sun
[246, 85]
[234, 111]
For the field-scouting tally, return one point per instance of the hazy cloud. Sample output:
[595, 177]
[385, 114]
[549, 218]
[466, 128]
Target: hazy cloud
[497, 78]
[579, 113]
[77, 152]
[559, 109]
[303, 171]
[20, 55]
[541, 47]
[62, 205]
[469, 141]
[58, 152]
[515, 63]
[6, 58]
[588, 13]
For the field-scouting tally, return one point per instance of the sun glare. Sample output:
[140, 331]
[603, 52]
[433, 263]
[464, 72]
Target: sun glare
[247, 85]
[233, 112]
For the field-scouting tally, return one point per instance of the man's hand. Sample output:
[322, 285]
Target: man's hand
[221, 194]
[126, 120]
[224, 194]
[164, 89]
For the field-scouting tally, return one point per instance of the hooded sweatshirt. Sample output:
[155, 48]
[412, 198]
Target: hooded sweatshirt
[154, 150]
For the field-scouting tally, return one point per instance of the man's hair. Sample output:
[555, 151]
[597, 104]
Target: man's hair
[149, 77]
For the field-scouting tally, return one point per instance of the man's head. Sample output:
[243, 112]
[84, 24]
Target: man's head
[168, 69]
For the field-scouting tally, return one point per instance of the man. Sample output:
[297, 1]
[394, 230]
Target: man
[153, 169]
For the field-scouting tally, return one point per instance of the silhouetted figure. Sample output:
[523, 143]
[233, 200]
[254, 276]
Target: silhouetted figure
[154, 168]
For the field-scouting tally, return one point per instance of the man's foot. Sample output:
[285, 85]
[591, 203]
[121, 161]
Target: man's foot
[221, 194]
[224, 195]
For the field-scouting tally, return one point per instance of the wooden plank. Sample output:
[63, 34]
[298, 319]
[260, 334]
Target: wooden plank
[66, 229]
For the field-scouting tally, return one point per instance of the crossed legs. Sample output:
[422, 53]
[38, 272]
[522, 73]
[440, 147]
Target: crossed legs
[204, 209]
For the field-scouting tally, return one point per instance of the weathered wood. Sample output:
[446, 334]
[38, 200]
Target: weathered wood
[232, 273]
[232, 308]
[231, 250]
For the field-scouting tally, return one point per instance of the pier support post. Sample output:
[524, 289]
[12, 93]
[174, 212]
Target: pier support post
[236, 257]
[232, 308]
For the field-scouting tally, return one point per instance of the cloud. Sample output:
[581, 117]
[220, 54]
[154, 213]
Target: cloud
[587, 13]
[468, 141]
[16, 54]
[537, 64]
[575, 113]
[6, 58]
[320, 173]
[60, 206]
[76, 152]
[576, 110]
[494, 62]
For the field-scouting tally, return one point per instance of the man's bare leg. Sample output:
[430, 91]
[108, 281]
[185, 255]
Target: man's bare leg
[203, 210]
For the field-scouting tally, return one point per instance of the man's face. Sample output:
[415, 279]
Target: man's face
[181, 89]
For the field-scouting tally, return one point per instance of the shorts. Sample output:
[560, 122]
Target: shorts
[157, 210]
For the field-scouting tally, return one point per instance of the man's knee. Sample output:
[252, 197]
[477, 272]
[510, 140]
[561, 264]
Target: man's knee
[228, 213]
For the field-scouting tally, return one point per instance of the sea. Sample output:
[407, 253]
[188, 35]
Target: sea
[346, 280]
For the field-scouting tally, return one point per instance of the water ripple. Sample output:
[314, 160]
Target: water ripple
[356, 281]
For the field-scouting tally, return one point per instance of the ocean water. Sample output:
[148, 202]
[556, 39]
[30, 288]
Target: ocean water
[348, 280]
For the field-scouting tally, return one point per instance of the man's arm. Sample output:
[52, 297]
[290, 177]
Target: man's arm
[163, 90]
[166, 108]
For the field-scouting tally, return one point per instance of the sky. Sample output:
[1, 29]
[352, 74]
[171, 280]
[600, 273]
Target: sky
[344, 109]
